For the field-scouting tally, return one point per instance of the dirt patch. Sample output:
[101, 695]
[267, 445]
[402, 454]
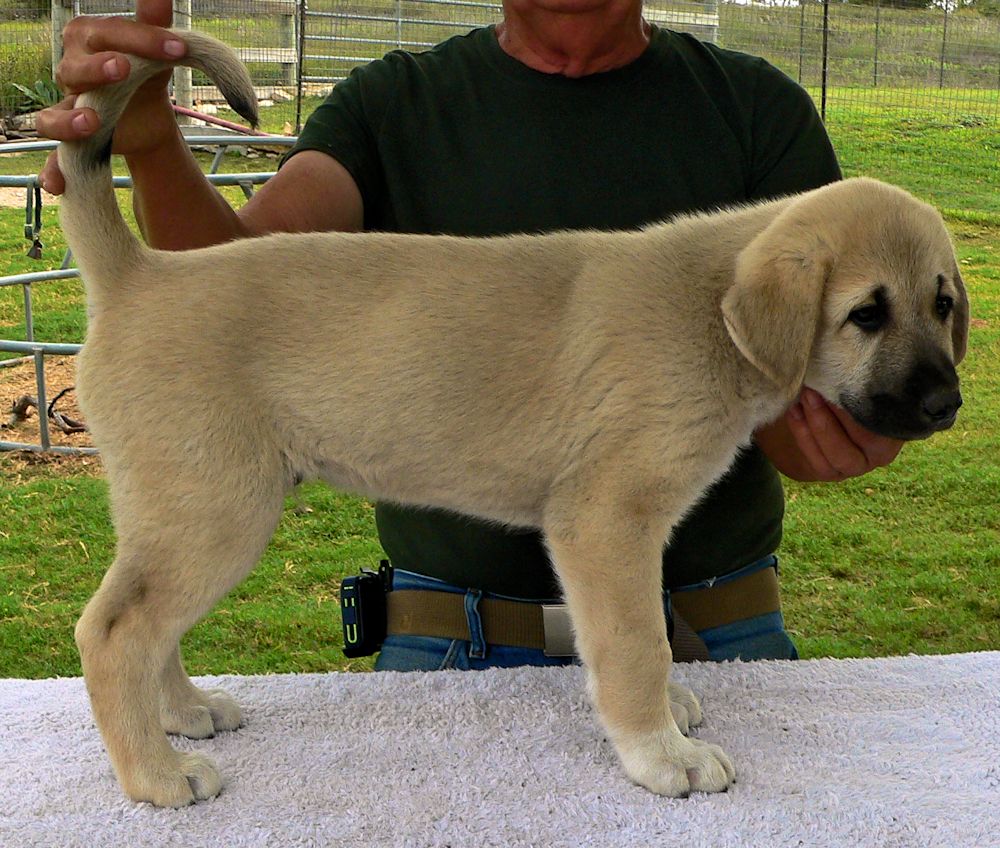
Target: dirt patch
[15, 197]
[20, 467]
[19, 380]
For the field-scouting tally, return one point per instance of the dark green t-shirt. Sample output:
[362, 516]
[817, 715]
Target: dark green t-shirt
[465, 140]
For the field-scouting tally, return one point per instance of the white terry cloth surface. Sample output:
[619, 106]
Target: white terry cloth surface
[895, 753]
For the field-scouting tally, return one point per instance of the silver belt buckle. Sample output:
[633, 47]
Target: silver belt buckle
[558, 631]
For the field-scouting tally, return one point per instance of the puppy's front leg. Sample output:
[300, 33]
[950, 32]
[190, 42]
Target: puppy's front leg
[611, 577]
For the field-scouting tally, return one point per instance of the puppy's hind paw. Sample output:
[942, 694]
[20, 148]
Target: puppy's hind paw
[202, 776]
[194, 722]
[194, 777]
[215, 712]
[226, 713]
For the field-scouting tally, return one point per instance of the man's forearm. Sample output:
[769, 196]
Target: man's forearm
[176, 207]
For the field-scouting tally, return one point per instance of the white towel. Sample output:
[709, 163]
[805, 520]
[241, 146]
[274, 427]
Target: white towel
[893, 753]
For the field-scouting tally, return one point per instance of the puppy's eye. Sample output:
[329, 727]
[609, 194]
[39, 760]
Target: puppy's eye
[869, 318]
[944, 305]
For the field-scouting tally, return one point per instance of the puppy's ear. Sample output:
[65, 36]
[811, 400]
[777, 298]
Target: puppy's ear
[960, 320]
[772, 309]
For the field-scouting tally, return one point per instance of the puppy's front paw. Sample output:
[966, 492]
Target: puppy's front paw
[684, 707]
[668, 764]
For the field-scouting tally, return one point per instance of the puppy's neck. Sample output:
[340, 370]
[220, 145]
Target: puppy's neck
[765, 401]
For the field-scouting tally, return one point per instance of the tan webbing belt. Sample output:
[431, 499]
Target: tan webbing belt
[419, 613]
[523, 624]
[746, 597]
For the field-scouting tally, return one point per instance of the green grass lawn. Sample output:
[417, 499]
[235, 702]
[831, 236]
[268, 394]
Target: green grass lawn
[902, 560]
[56, 542]
[943, 146]
[906, 559]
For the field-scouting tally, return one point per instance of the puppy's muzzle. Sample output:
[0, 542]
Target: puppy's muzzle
[932, 388]
[926, 402]
[940, 408]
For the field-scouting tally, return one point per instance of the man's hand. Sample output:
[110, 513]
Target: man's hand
[93, 51]
[816, 440]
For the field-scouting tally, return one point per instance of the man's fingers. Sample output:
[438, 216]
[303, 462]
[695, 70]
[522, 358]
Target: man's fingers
[828, 443]
[94, 48]
[64, 122]
[878, 450]
[121, 35]
[807, 444]
[836, 446]
[51, 177]
[61, 122]
[93, 55]
[81, 72]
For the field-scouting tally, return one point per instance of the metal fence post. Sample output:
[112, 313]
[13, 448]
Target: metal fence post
[826, 57]
[183, 93]
[802, 37]
[43, 401]
[944, 43]
[303, 7]
[878, 8]
[290, 41]
[29, 319]
[62, 13]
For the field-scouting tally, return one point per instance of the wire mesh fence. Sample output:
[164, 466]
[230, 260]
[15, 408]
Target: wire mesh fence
[916, 78]
[908, 95]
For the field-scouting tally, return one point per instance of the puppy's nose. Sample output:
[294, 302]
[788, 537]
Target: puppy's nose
[941, 406]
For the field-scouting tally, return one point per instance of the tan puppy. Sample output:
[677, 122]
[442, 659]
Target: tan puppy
[589, 384]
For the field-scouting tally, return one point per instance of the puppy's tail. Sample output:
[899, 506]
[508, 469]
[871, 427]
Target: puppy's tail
[101, 241]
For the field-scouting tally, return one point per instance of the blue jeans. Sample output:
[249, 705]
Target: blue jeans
[762, 637]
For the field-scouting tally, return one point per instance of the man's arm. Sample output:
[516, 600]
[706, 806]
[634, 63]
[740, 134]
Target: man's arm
[176, 206]
[178, 209]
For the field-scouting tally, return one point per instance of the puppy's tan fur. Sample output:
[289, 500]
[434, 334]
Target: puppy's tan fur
[589, 384]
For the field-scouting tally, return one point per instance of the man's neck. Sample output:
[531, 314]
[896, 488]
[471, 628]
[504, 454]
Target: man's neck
[566, 37]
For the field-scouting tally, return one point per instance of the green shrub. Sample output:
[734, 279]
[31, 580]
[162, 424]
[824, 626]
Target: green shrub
[23, 64]
[42, 94]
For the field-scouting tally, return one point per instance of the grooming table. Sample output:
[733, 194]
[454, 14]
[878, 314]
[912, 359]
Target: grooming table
[895, 753]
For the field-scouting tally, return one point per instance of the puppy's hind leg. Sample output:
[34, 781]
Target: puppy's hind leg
[184, 539]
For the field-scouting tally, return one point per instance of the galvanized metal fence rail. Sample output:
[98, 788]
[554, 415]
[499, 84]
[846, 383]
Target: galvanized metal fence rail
[37, 350]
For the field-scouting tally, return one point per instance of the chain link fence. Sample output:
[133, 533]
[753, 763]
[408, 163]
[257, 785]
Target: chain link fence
[917, 80]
